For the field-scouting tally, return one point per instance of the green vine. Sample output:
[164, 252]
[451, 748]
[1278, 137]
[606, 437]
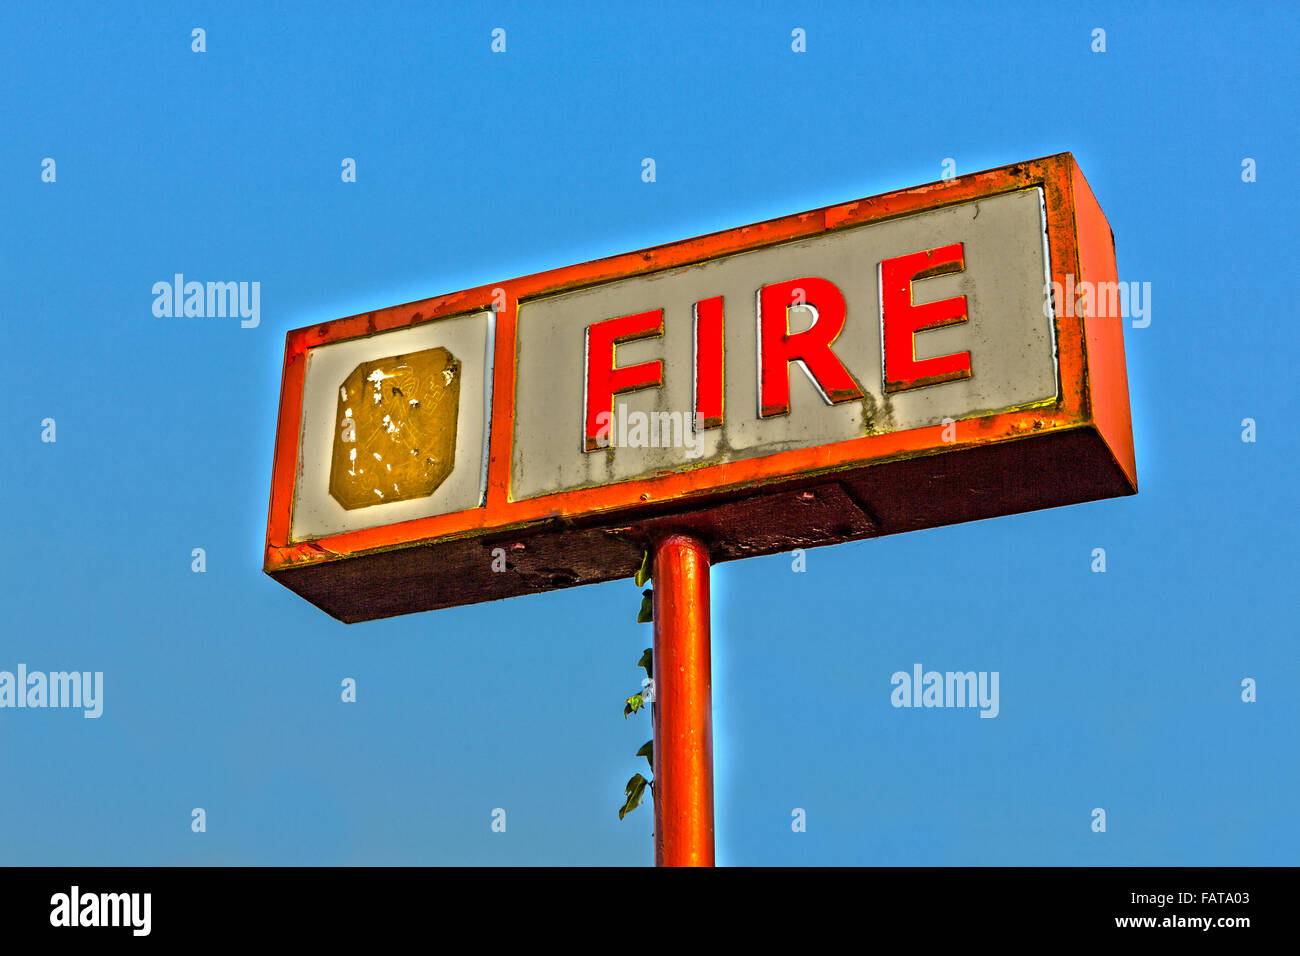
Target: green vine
[636, 787]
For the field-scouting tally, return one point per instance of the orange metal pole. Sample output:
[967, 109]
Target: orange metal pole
[683, 704]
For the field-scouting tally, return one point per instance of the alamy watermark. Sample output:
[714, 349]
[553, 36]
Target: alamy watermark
[75, 908]
[70, 689]
[948, 689]
[1103, 300]
[624, 429]
[211, 300]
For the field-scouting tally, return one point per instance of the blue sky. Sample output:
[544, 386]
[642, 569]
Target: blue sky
[1119, 690]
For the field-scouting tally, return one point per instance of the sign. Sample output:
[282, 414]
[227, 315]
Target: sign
[884, 365]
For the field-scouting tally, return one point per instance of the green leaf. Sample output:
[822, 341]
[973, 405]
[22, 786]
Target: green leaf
[632, 705]
[647, 614]
[648, 751]
[643, 573]
[635, 791]
[648, 662]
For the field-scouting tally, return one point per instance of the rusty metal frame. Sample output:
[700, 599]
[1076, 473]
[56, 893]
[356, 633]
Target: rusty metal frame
[1093, 392]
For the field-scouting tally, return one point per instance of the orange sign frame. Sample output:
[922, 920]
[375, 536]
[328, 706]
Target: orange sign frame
[594, 534]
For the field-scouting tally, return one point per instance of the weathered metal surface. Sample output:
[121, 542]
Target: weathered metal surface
[1047, 436]
[440, 367]
[1011, 341]
[395, 430]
